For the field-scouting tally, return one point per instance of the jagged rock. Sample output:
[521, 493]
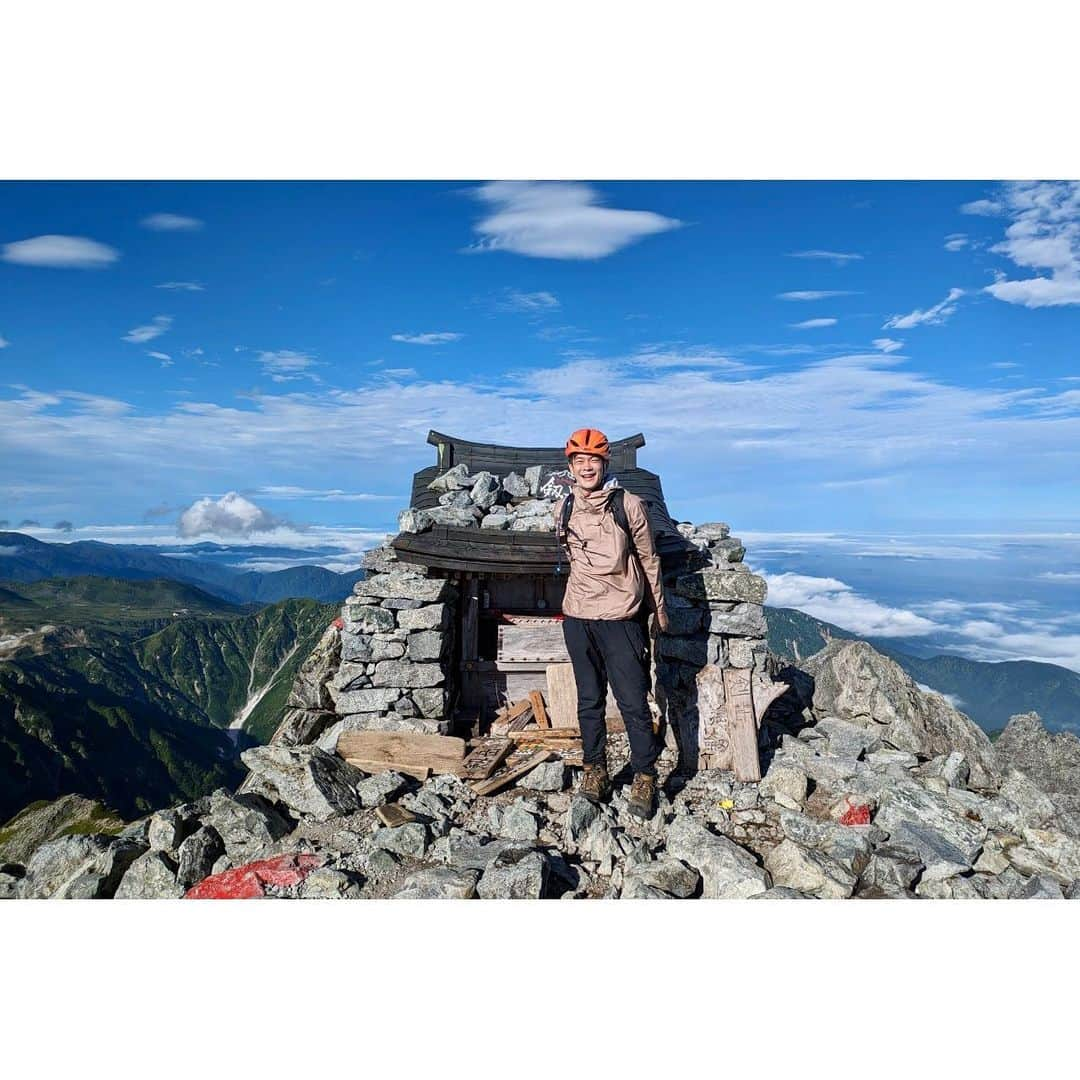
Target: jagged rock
[466, 850]
[712, 531]
[662, 879]
[726, 869]
[532, 478]
[495, 521]
[10, 876]
[516, 873]
[1033, 804]
[325, 883]
[386, 650]
[744, 618]
[307, 780]
[456, 500]
[408, 839]
[355, 648]
[406, 585]
[580, 815]
[453, 479]
[550, 776]
[379, 560]
[809, 871]
[414, 521]
[369, 699]
[518, 823]
[722, 585]
[255, 879]
[848, 845]
[81, 867]
[38, 823]
[1051, 761]
[455, 518]
[947, 842]
[952, 769]
[309, 689]
[362, 618]
[954, 888]
[517, 487]
[781, 892]
[382, 787]
[884, 759]
[398, 603]
[854, 682]
[892, 870]
[1040, 887]
[429, 617]
[848, 740]
[439, 883]
[405, 674]
[784, 784]
[198, 855]
[300, 726]
[151, 876]
[427, 645]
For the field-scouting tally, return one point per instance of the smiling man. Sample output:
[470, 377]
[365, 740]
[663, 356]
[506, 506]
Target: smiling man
[614, 571]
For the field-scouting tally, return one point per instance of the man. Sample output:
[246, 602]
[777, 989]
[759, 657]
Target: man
[606, 639]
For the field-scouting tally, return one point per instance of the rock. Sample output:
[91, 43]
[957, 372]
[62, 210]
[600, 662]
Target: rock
[404, 673]
[950, 768]
[80, 867]
[380, 560]
[39, 823]
[309, 689]
[516, 873]
[712, 531]
[167, 830]
[726, 869]
[743, 619]
[355, 648]
[386, 650]
[427, 645]
[151, 876]
[1034, 805]
[723, 585]
[429, 617]
[485, 490]
[414, 521]
[848, 740]
[884, 759]
[532, 478]
[953, 888]
[578, 818]
[785, 785]
[371, 699]
[518, 823]
[892, 870]
[495, 521]
[382, 787]
[781, 892]
[662, 879]
[809, 871]
[456, 519]
[405, 585]
[847, 845]
[453, 479]
[430, 701]
[1051, 761]
[247, 824]
[439, 883]
[854, 682]
[946, 842]
[9, 882]
[362, 618]
[550, 776]
[1040, 888]
[408, 839]
[309, 781]
[456, 500]
[198, 854]
[302, 726]
[324, 883]
[517, 487]
[253, 880]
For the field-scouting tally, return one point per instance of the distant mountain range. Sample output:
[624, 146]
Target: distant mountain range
[22, 558]
[988, 693]
[138, 718]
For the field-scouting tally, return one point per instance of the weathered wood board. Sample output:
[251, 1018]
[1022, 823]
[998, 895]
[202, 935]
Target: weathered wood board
[392, 815]
[404, 751]
[421, 772]
[539, 712]
[515, 772]
[536, 642]
[562, 700]
[485, 758]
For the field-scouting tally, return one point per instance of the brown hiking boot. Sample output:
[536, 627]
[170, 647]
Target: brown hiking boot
[595, 783]
[642, 798]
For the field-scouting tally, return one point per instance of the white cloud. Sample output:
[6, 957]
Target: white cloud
[4, 343]
[930, 317]
[159, 325]
[954, 700]
[1004, 364]
[181, 286]
[841, 258]
[286, 365]
[61, 252]
[887, 345]
[836, 602]
[814, 294]
[231, 515]
[286, 491]
[171, 223]
[1043, 234]
[559, 220]
[1066, 575]
[956, 242]
[813, 324]
[165, 358]
[982, 208]
[442, 337]
[531, 303]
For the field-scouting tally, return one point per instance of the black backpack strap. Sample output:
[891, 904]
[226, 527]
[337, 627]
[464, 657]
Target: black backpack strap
[562, 527]
[618, 512]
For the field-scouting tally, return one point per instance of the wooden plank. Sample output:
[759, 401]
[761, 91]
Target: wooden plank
[538, 710]
[517, 708]
[522, 720]
[561, 696]
[552, 735]
[392, 815]
[739, 702]
[485, 758]
[402, 751]
[421, 772]
[515, 772]
[532, 642]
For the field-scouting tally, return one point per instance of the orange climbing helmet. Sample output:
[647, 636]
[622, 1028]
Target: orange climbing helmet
[588, 441]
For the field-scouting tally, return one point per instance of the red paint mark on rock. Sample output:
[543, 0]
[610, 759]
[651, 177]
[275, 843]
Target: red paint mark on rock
[249, 882]
[857, 814]
[339, 622]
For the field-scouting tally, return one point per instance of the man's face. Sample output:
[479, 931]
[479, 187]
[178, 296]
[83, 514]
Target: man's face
[588, 470]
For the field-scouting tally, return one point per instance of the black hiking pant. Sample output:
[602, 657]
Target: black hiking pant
[615, 651]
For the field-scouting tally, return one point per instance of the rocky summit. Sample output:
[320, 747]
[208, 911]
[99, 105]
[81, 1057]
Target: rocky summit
[871, 788]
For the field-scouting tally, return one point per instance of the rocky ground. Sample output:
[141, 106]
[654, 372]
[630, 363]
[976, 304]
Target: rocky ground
[871, 788]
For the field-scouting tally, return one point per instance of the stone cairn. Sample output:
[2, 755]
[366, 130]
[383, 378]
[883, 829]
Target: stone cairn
[386, 663]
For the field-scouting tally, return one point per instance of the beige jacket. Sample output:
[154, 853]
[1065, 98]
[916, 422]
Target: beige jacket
[606, 581]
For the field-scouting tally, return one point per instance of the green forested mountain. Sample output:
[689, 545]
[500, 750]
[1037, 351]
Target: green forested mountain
[987, 692]
[138, 719]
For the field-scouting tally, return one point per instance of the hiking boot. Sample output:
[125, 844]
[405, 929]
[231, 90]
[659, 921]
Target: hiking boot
[642, 798]
[595, 784]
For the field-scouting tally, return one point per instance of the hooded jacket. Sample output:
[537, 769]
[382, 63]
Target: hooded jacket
[605, 580]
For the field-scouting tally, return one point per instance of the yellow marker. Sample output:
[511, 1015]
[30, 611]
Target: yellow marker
[725, 804]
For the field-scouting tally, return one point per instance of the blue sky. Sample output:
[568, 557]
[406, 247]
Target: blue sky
[262, 361]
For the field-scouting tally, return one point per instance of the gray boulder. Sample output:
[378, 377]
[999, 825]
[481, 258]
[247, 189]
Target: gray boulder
[550, 776]
[854, 682]
[891, 871]
[151, 876]
[439, 883]
[409, 839]
[516, 873]
[80, 867]
[309, 781]
[247, 824]
[1051, 761]
[809, 871]
[663, 879]
[726, 869]
[326, 883]
[199, 853]
[309, 689]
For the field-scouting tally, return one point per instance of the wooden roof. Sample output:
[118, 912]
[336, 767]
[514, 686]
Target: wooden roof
[497, 551]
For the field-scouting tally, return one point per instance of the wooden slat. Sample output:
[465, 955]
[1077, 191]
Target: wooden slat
[562, 696]
[515, 772]
[551, 735]
[535, 642]
[522, 720]
[739, 702]
[538, 710]
[392, 815]
[403, 751]
[421, 772]
[486, 758]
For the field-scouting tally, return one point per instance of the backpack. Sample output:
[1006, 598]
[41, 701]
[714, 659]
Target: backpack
[618, 511]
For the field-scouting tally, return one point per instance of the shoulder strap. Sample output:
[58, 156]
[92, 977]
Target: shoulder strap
[564, 519]
[618, 512]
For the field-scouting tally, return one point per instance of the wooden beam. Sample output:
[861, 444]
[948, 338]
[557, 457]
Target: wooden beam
[739, 701]
[421, 772]
[515, 772]
[485, 758]
[392, 815]
[407, 752]
[539, 712]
